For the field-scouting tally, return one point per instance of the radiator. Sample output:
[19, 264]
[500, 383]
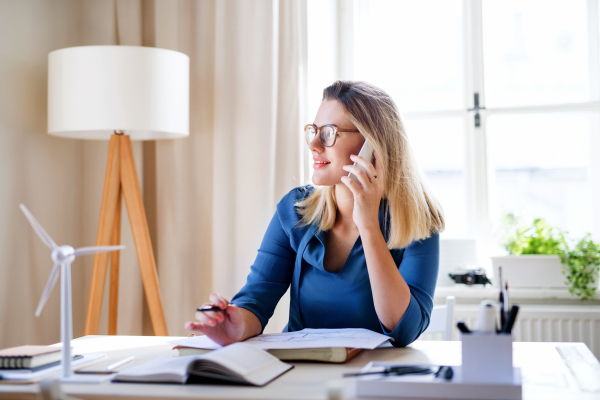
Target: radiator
[542, 323]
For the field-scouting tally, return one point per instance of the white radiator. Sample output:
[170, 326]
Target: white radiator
[542, 323]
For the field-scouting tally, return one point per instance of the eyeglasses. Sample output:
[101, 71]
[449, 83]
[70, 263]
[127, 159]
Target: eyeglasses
[328, 133]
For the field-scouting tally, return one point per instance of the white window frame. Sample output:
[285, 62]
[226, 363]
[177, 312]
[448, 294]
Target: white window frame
[478, 176]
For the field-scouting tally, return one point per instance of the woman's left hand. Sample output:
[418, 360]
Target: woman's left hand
[367, 195]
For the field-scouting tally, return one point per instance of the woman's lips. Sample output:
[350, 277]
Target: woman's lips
[320, 163]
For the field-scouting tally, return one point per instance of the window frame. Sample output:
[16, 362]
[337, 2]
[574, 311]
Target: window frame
[477, 172]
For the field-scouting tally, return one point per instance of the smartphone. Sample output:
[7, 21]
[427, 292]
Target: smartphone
[366, 152]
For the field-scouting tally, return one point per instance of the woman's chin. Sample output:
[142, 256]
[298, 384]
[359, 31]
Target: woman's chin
[319, 180]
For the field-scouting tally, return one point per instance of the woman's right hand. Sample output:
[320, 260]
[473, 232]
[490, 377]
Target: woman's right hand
[223, 327]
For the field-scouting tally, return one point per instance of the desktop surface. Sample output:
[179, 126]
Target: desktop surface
[545, 375]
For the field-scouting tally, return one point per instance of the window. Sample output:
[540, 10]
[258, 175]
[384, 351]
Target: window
[535, 67]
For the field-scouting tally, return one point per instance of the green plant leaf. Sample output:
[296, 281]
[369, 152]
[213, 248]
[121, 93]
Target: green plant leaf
[581, 262]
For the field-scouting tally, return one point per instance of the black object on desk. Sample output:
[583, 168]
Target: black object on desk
[443, 371]
[462, 327]
[510, 319]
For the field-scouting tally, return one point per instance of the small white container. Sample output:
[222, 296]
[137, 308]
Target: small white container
[487, 358]
[530, 271]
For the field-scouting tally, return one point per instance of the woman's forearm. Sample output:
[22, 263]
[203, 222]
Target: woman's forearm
[391, 294]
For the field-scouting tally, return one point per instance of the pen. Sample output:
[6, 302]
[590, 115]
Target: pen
[110, 369]
[403, 370]
[209, 308]
[120, 363]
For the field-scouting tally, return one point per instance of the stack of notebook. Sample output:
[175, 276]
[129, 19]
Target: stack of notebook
[29, 357]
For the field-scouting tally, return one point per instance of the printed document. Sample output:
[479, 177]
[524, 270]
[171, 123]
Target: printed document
[304, 339]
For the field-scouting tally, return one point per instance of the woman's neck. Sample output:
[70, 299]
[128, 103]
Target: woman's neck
[345, 205]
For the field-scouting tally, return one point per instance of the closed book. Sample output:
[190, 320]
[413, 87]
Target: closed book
[238, 363]
[28, 357]
[320, 354]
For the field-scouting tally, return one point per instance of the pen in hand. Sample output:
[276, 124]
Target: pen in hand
[210, 308]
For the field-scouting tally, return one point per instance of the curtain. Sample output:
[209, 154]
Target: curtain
[216, 191]
[208, 197]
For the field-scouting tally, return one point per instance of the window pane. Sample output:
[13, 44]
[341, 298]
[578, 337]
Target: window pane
[413, 50]
[535, 52]
[438, 145]
[321, 58]
[540, 168]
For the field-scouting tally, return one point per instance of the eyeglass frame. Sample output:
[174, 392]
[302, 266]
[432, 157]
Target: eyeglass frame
[318, 132]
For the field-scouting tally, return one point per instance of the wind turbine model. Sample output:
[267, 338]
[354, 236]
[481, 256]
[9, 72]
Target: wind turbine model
[62, 256]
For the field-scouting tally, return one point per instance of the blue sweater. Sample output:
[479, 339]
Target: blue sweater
[291, 254]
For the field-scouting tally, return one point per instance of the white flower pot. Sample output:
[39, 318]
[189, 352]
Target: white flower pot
[530, 271]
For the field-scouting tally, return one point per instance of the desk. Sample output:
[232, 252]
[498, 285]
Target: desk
[545, 377]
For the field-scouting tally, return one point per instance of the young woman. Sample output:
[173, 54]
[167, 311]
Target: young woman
[356, 255]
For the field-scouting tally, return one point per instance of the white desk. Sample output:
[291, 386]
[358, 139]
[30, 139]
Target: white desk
[545, 376]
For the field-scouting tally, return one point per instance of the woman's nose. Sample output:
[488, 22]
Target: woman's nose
[316, 144]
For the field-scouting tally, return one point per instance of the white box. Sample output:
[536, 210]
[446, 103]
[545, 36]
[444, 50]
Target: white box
[487, 358]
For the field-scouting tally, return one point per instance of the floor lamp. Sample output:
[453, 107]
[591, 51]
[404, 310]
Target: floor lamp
[121, 93]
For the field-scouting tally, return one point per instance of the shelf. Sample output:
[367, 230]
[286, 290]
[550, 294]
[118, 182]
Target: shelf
[474, 294]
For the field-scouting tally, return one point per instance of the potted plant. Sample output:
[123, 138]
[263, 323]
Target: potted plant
[581, 266]
[540, 256]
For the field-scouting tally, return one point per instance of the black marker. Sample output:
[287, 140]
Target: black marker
[463, 327]
[510, 320]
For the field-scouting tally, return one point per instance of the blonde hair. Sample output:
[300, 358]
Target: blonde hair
[413, 211]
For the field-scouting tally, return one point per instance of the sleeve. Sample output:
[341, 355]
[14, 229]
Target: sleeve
[419, 266]
[270, 275]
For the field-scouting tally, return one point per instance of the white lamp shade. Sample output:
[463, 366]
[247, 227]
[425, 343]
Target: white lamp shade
[95, 90]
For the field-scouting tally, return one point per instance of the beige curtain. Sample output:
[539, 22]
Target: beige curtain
[208, 197]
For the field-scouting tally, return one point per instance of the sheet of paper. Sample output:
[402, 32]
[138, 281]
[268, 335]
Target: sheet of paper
[198, 342]
[304, 339]
[314, 338]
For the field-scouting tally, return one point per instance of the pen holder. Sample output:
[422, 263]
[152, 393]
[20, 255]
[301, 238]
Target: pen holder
[487, 358]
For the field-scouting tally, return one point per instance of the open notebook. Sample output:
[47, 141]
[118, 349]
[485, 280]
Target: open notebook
[239, 363]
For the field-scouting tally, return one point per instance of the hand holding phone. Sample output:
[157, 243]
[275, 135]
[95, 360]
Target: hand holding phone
[366, 152]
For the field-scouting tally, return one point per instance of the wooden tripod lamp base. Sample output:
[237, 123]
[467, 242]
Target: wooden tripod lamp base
[121, 180]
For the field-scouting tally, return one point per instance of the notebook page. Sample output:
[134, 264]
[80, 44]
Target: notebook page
[162, 369]
[198, 342]
[242, 358]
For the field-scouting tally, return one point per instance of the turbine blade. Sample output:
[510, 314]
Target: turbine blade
[38, 228]
[48, 289]
[82, 251]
